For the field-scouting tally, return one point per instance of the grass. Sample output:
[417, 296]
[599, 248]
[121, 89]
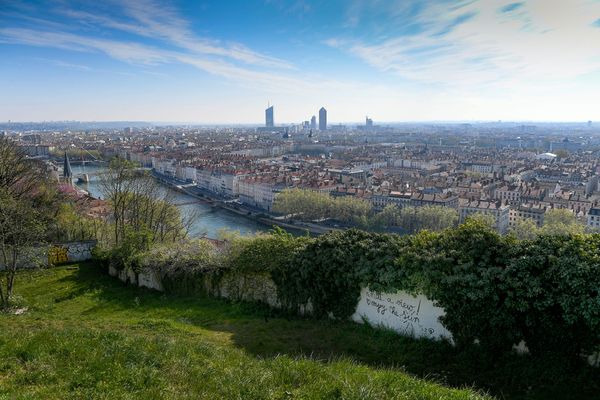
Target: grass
[88, 336]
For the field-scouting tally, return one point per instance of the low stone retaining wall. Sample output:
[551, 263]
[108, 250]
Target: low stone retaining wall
[56, 254]
[62, 253]
[408, 315]
[401, 312]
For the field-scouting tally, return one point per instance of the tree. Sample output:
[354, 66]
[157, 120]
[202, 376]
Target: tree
[26, 207]
[463, 268]
[553, 294]
[433, 218]
[561, 222]
[525, 229]
[562, 154]
[389, 216]
[71, 223]
[307, 205]
[19, 176]
[138, 203]
[22, 228]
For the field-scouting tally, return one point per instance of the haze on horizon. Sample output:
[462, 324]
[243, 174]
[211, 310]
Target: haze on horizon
[221, 62]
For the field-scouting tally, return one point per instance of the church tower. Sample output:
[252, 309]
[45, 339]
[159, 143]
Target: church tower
[67, 171]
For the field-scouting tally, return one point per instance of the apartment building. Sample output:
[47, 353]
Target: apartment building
[593, 218]
[500, 213]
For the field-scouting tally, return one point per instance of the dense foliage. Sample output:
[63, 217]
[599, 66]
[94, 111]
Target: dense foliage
[414, 219]
[306, 205]
[554, 294]
[496, 290]
[559, 222]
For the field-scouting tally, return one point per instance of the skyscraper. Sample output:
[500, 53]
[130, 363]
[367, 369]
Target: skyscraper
[313, 123]
[269, 119]
[322, 119]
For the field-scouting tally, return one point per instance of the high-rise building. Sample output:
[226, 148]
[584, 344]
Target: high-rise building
[368, 123]
[322, 119]
[313, 122]
[269, 119]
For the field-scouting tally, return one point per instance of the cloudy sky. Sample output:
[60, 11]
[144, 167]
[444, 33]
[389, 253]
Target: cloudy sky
[223, 61]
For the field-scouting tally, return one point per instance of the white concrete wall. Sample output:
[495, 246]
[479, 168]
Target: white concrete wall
[151, 280]
[401, 312]
[414, 316]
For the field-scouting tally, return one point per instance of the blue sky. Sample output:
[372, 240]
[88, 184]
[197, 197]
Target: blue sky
[222, 61]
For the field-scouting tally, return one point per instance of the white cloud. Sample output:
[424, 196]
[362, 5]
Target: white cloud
[124, 51]
[157, 21]
[136, 53]
[545, 41]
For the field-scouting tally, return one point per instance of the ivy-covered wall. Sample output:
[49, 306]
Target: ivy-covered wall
[482, 287]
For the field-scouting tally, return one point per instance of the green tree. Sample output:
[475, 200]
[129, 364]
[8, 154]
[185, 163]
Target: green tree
[553, 294]
[307, 205]
[463, 273]
[562, 154]
[433, 218]
[389, 216]
[560, 221]
[524, 229]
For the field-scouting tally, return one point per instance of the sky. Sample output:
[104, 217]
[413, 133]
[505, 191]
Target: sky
[220, 62]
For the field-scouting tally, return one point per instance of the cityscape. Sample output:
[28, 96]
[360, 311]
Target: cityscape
[300, 199]
[508, 171]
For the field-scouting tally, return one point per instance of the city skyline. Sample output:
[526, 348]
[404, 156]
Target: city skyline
[396, 61]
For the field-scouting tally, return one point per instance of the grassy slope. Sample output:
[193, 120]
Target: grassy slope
[87, 336]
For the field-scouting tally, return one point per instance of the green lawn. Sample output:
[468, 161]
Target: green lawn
[88, 336]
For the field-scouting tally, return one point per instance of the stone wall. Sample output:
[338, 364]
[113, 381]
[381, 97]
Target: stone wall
[408, 315]
[415, 316]
[401, 312]
[56, 254]
[62, 253]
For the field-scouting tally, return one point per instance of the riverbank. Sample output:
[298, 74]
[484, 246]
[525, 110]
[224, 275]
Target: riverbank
[239, 209]
[210, 221]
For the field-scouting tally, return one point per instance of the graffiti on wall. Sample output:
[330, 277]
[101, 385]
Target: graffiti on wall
[62, 253]
[406, 314]
[58, 255]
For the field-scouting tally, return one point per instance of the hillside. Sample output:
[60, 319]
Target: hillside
[87, 336]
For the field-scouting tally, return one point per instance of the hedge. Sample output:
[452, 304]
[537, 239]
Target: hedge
[496, 290]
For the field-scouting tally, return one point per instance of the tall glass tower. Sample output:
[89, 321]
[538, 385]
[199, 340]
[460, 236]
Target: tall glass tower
[322, 119]
[269, 120]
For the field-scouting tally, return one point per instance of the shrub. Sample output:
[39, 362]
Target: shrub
[463, 273]
[126, 254]
[265, 253]
[495, 290]
[554, 292]
[184, 268]
[331, 270]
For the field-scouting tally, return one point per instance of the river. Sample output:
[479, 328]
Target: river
[210, 221]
